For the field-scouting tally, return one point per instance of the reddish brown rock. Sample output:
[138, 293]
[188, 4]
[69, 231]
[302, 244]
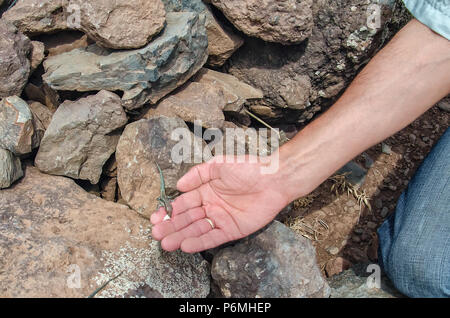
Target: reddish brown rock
[336, 266]
[282, 21]
[141, 145]
[37, 54]
[56, 240]
[121, 24]
[38, 16]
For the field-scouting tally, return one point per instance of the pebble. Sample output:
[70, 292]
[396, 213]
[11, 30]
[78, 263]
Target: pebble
[378, 203]
[333, 250]
[356, 239]
[372, 225]
[392, 187]
[412, 138]
[358, 231]
[386, 149]
[384, 212]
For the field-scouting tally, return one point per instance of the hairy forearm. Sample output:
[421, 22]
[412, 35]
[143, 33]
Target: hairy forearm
[401, 82]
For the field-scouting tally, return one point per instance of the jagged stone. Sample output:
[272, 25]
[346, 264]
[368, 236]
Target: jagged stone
[237, 92]
[10, 169]
[194, 102]
[274, 262]
[82, 136]
[14, 63]
[143, 143]
[16, 126]
[282, 21]
[37, 54]
[38, 16]
[144, 75]
[121, 24]
[56, 240]
[222, 42]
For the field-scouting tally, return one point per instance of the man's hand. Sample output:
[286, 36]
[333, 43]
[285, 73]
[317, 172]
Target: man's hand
[236, 197]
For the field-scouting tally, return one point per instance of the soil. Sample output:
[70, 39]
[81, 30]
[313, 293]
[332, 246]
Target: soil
[343, 228]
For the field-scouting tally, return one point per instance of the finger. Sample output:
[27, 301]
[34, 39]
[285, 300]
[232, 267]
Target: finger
[186, 201]
[173, 241]
[197, 176]
[206, 241]
[158, 216]
[177, 223]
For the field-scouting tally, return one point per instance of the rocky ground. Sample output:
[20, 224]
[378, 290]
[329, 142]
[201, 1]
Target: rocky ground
[88, 105]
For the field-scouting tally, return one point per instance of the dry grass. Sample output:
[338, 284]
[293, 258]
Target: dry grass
[313, 232]
[341, 185]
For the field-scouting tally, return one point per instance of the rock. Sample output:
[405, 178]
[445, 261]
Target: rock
[237, 92]
[143, 143]
[54, 235]
[368, 161]
[324, 65]
[336, 266]
[372, 225]
[82, 136]
[386, 149]
[34, 17]
[121, 24]
[14, 63]
[356, 174]
[41, 113]
[64, 41]
[144, 75]
[43, 94]
[353, 283]
[333, 250]
[384, 212]
[37, 54]
[286, 22]
[222, 42]
[109, 188]
[445, 104]
[274, 262]
[10, 169]
[194, 101]
[16, 126]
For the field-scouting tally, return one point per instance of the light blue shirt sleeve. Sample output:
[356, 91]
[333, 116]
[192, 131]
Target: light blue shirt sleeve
[433, 13]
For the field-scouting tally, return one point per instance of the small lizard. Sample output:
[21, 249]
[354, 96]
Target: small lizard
[164, 200]
[103, 286]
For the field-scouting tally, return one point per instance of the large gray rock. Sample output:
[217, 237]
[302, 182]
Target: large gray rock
[144, 75]
[82, 136]
[14, 63]
[222, 42]
[16, 126]
[38, 16]
[121, 24]
[298, 81]
[10, 168]
[282, 21]
[142, 144]
[274, 262]
[56, 240]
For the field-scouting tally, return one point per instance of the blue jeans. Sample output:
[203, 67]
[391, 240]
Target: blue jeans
[415, 241]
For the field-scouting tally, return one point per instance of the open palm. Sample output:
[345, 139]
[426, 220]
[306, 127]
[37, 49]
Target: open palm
[236, 197]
